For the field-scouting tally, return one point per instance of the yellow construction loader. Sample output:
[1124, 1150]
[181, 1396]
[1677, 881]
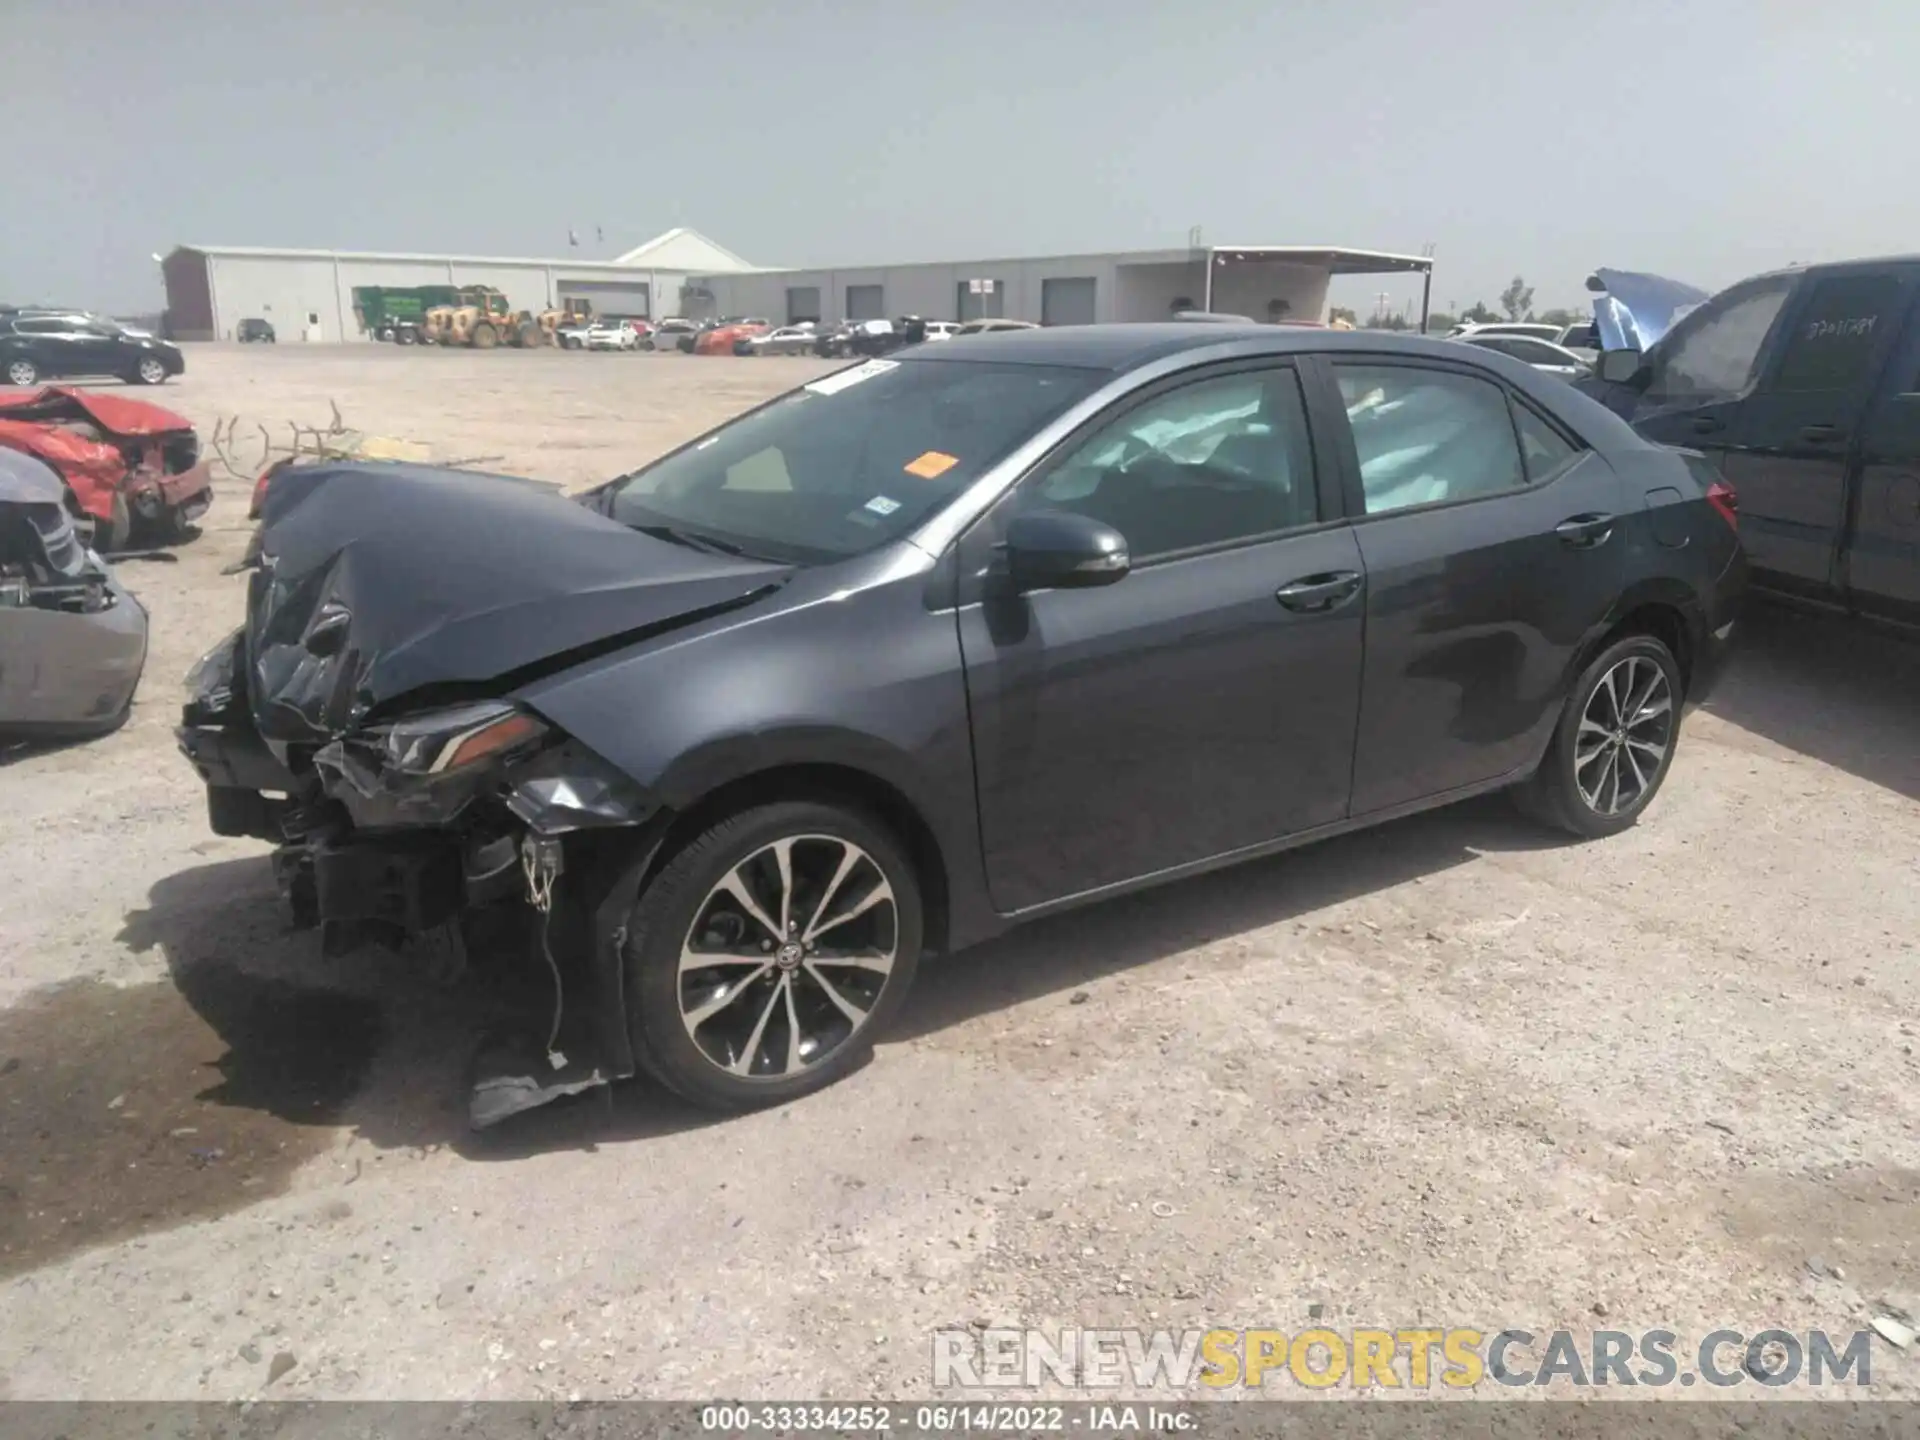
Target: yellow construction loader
[482, 320]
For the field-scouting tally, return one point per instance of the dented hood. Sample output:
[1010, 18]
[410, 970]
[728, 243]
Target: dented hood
[380, 582]
[129, 419]
[1631, 311]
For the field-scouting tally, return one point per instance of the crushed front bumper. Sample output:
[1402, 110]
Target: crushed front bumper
[185, 494]
[372, 844]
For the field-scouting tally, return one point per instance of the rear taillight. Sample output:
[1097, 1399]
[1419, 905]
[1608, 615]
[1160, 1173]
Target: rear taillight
[1722, 497]
[259, 501]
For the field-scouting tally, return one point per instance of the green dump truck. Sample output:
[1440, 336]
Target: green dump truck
[398, 313]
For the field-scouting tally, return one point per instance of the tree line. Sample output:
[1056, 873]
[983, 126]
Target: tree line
[1516, 303]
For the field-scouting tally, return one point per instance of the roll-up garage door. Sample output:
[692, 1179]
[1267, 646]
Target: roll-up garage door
[1067, 301]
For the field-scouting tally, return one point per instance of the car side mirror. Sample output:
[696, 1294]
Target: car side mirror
[1624, 367]
[1055, 550]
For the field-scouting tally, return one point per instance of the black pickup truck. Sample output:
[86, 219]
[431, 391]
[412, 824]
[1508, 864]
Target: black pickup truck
[1804, 387]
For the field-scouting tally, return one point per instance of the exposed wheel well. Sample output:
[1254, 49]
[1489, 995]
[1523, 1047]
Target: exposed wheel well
[1665, 624]
[830, 784]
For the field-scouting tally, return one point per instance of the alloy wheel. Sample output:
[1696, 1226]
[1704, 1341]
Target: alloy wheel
[21, 373]
[787, 956]
[1625, 734]
[152, 371]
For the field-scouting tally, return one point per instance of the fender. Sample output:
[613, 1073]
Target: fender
[856, 681]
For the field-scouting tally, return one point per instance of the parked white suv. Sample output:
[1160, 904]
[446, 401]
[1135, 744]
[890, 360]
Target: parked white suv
[611, 335]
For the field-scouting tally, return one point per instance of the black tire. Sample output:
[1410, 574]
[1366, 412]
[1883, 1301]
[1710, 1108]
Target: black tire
[148, 370]
[680, 894]
[21, 371]
[406, 336]
[173, 528]
[114, 533]
[1570, 789]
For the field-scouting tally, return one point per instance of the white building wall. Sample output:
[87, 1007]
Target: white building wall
[281, 291]
[1246, 288]
[1148, 292]
[285, 289]
[930, 291]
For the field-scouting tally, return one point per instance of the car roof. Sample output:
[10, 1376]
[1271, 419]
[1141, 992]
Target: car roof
[1128, 346]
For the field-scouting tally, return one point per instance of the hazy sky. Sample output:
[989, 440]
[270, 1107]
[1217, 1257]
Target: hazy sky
[1705, 139]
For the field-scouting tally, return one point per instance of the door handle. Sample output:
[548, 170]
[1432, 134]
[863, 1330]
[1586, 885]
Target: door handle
[1584, 532]
[1313, 594]
[1708, 424]
[1820, 434]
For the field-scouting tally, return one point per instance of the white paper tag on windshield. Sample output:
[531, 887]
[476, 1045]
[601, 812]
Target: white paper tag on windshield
[834, 384]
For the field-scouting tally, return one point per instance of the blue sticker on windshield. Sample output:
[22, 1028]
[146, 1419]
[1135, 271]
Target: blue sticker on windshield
[881, 505]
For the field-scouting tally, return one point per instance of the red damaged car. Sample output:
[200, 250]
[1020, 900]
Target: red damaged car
[129, 466]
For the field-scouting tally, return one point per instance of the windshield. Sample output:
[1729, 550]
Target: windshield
[851, 461]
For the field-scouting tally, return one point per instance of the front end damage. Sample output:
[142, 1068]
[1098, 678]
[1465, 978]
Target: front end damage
[466, 824]
[128, 465]
[364, 721]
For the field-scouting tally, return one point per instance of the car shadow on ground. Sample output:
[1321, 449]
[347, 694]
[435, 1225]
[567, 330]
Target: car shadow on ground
[364, 1042]
[1063, 952]
[1829, 688]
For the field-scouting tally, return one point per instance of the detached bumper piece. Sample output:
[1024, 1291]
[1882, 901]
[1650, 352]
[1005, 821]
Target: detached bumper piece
[394, 831]
[73, 642]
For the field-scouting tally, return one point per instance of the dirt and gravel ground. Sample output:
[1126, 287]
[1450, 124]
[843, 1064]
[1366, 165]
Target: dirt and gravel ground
[1450, 1072]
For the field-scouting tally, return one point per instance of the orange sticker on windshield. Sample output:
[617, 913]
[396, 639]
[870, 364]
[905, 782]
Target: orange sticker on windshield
[932, 465]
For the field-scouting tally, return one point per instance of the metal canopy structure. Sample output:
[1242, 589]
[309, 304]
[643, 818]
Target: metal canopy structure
[1336, 259]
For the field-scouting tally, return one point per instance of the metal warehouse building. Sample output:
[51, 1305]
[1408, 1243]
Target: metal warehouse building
[308, 294]
[1263, 282]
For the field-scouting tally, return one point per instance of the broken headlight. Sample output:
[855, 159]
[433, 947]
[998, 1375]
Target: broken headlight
[210, 681]
[439, 742]
[424, 769]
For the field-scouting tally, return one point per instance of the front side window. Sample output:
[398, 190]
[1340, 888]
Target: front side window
[1834, 339]
[850, 461]
[1427, 436]
[1213, 461]
[1715, 353]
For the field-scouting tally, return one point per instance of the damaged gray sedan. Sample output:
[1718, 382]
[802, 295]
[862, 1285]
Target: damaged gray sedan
[939, 643]
[73, 643]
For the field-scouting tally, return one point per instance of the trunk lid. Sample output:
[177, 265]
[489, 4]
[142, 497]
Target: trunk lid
[1631, 310]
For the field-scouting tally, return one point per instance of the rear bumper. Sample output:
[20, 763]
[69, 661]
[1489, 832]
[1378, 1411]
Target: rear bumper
[1721, 630]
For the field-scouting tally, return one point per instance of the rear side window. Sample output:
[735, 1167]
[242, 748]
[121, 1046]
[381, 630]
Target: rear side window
[1544, 449]
[1424, 436]
[1834, 340]
[1717, 356]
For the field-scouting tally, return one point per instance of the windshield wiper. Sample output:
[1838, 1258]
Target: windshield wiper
[691, 539]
